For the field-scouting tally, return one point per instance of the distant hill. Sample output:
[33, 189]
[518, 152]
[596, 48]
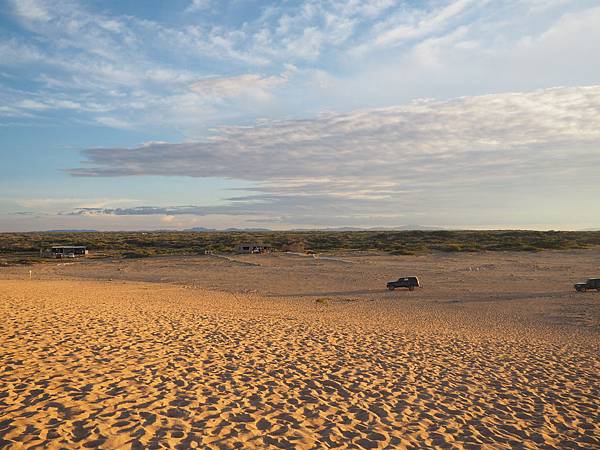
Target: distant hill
[208, 230]
[418, 227]
[399, 228]
[70, 231]
[247, 229]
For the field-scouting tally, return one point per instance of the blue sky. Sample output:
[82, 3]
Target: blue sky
[299, 114]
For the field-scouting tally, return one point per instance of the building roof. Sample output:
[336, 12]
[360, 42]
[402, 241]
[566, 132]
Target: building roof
[68, 246]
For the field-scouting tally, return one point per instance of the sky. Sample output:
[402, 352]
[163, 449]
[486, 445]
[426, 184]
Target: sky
[129, 115]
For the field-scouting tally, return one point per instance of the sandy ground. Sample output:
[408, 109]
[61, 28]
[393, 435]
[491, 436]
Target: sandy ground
[530, 287]
[496, 351]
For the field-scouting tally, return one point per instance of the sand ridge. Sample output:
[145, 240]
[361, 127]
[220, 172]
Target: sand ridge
[137, 365]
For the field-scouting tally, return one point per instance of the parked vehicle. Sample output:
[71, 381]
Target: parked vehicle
[590, 283]
[407, 282]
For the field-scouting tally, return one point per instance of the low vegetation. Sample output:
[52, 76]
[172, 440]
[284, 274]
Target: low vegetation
[17, 246]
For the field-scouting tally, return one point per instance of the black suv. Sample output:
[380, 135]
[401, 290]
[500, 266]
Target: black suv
[591, 283]
[407, 282]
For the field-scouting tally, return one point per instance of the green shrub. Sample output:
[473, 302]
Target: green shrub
[143, 244]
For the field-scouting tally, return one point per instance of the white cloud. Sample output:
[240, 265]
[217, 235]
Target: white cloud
[32, 104]
[32, 10]
[367, 161]
[50, 203]
[113, 122]
[129, 71]
[14, 52]
[480, 57]
[198, 5]
[247, 85]
[391, 33]
[485, 125]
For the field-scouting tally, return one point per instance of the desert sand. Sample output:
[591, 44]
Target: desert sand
[313, 359]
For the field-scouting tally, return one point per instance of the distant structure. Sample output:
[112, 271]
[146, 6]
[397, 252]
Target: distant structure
[65, 251]
[252, 248]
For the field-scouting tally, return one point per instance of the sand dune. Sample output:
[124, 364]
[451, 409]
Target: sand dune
[135, 365]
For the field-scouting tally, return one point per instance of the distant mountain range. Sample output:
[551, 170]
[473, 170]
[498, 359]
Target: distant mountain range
[258, 230]
[209, 230]
[400, 228]
[71, 231]
[202, 229]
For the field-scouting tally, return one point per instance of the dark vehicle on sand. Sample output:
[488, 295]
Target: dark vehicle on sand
[590, 283]
[407, 282]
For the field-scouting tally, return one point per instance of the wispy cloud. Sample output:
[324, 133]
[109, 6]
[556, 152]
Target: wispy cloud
[202, 73]
[357, 143]
[249, 86]
[198, 5]
[113, 122]
[370, 160]
[42, 203]
[402, 27]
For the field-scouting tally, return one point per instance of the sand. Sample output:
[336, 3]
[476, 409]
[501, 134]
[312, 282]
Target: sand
[122, 364]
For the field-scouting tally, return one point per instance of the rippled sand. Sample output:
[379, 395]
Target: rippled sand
[134, 365]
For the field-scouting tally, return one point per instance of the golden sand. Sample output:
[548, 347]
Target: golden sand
[134, 365]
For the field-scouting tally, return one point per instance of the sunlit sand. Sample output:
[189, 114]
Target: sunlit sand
[139, 365]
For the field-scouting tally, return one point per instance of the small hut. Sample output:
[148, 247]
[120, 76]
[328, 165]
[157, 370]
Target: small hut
[65, 251]
[252, 247]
